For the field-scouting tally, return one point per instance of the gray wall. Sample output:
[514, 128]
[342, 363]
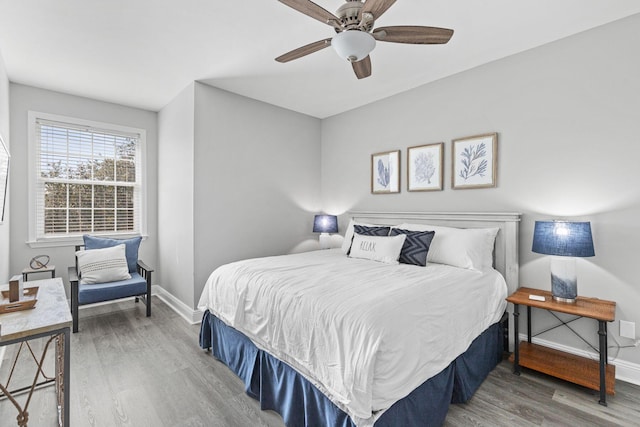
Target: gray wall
[569, 144]
[26, 98]
[175, 198]
[5, 274]
[257, 179]
[242, 181]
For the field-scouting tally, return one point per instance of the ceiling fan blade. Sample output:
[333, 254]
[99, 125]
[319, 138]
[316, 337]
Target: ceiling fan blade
[413, 34]
[304, 50]
[376, 7]
[311, 9]
[362, 68]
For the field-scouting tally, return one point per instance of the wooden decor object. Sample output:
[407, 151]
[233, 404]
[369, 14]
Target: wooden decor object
[27, 301]
[14, 290]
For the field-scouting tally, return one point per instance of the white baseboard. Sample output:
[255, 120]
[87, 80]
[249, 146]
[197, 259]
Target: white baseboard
[187, 313]
[625, 371]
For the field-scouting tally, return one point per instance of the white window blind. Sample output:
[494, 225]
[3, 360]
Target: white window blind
[88, 180]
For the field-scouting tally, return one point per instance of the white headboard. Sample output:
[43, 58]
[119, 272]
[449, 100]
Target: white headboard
[506, 246]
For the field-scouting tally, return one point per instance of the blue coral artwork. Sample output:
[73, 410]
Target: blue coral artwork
[424, 167]
[475, 161]
[385, 172]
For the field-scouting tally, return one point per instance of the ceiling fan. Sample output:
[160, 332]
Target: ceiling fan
[356, 37]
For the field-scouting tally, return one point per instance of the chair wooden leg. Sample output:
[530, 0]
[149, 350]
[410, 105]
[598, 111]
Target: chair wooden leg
[148, 301]
[148, 294]
[74, 305]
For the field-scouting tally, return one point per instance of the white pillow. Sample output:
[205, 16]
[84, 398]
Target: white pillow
[377, 248]
[470, 248]
[103, 265]
[348, 234]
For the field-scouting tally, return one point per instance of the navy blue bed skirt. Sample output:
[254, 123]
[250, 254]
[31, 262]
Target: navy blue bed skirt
[279, 387]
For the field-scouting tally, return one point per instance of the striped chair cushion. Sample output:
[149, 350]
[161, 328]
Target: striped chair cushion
[103, 265]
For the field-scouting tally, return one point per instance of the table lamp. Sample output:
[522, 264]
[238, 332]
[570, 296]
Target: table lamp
[325, 224]
[565, 240]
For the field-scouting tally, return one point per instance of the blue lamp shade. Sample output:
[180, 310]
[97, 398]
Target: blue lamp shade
[566, 240]
[563, 238]
[325, 224]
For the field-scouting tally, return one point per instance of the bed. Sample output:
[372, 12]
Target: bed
[326, 338]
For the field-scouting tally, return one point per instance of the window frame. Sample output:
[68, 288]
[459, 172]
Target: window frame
[36, 237]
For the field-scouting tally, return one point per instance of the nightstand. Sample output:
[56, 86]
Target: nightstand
[579, 370]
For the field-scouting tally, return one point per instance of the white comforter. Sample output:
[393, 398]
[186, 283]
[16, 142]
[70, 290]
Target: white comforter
[365, 333]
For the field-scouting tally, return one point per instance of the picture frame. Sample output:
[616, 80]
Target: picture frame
[425, 167]
[474, 161]
[385, 172]
[4, 177]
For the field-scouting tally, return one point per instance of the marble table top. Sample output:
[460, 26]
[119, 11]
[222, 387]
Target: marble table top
[50, 313]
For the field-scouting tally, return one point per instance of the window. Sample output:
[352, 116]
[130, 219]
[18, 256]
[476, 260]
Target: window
[87, 178]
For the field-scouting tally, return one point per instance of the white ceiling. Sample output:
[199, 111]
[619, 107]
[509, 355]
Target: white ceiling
[142, 53]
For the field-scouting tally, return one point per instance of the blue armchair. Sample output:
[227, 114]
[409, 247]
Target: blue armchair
[138, 286]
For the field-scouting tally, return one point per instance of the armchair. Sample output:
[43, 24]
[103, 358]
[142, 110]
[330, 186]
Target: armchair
[138, 286]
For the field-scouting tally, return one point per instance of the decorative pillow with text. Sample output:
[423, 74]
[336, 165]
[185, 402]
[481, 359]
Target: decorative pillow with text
[348, 234]
[366, 230]
[377, 248]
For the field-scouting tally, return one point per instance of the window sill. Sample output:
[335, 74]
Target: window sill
[53, 242]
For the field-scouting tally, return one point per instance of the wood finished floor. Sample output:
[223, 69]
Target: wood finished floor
[129, 370]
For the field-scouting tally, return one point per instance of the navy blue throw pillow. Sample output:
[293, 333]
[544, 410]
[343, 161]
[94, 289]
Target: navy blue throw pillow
[416, 246]
[369, 231]
[131, 247]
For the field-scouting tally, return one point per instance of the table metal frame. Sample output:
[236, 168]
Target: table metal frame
[50, 320]
[62, 380]
[602, 344]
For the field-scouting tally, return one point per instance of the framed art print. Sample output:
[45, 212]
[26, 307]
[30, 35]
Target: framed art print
[385, 172]
[425, 167]
[474, 161]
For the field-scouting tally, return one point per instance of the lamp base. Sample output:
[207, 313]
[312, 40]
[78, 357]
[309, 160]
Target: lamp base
[325, 241]
[564, 283]
[564, 300]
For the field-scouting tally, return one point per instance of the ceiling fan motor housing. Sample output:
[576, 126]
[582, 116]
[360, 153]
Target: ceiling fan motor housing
[349, 14]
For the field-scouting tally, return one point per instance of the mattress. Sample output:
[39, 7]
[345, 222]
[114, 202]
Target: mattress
[364, 333]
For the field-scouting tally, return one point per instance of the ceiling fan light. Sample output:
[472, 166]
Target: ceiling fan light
[353, 45]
